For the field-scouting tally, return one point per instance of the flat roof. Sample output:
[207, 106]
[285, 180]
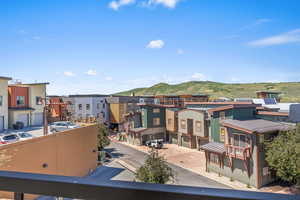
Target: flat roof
[5, 78]
[255, 125]
[218, 103]
[228, 107]
[28, 84]
[88, 95]
[283, 114]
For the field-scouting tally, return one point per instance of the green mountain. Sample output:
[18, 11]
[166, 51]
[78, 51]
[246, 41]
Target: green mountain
[290, 90]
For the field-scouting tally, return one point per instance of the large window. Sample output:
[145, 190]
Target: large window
[156, 121]
[222, 134]
[88, 106]
[80, 106]
[198, 126]
[183, 124]
[1, 100]
[38, 100]
[20, 100]
[239, 141]
[169, 121]
[156, 110]
[222, 115]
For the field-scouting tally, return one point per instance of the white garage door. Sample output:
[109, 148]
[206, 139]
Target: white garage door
[23, 118]
[1, 123]
[38, 119]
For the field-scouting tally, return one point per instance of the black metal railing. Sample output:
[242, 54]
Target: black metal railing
[88, 188]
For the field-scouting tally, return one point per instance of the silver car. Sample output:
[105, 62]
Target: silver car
[62, 126]
[9, 138]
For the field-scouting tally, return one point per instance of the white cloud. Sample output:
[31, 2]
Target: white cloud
[91, 72]
[198, 76]
[166, 3]
[284, 38]
[180, 51]
[115, 5]
[69, 73]
[108, 78]
[156, 44]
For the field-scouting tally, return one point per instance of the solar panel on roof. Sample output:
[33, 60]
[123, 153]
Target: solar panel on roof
[269, 101]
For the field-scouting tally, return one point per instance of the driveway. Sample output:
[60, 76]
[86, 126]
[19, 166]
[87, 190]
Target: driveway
[182, 176]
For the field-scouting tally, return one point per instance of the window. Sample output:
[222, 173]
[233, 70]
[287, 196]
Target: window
[169, 121]
[98, 106]
[20, 100]
[214, 158]
[103, 106]
[38, 100]
[80, 106]
[1, 100]
[222, 115]
[198, 126]
[183, 124]
[239, 141]
[156, 110]
[222, 134]
[88, 106]
[156, 121]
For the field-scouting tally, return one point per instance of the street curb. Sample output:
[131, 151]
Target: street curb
[127, 165]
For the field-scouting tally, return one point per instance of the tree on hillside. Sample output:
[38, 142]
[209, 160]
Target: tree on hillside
[155, 170]
[283, 155]
[103, 139]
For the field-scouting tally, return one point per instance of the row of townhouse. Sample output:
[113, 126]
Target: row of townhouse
[231, 134]
[78, 107]
[21, 103]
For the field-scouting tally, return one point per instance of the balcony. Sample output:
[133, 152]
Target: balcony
[238, 152]
[84, 188]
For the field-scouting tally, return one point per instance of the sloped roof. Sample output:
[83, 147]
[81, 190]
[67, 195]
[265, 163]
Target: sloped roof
[214, 147]
[255, 125]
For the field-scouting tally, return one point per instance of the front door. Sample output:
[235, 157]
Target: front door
[190, 126]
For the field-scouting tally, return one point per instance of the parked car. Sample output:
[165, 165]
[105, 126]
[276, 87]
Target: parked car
[24, 136]
[158, 144]
[9, 138]
[62, 126]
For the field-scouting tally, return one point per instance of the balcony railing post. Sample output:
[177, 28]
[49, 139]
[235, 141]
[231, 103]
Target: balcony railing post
[18, 196]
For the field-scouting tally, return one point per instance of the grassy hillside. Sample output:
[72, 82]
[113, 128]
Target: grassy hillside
[290, 90]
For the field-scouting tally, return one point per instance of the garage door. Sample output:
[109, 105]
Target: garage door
[174, 138]
[37, 119]
[1, 123]
[23, 118]
[185, 141]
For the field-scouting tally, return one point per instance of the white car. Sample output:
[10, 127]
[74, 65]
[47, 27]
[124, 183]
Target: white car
[24, 136]
[9, 138]
[62, 126]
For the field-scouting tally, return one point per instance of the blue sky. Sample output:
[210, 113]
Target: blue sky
[105, 46]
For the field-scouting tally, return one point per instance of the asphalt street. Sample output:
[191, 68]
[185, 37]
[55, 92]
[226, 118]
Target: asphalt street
[137, 158]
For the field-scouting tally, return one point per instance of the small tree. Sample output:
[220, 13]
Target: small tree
[155, 170]
[103, 139]
[283, 155]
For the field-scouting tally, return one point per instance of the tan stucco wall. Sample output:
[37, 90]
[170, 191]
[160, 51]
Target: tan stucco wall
[37, 91]
[4, 107]
[69, 153]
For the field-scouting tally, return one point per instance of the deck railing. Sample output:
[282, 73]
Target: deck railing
[88, 188]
